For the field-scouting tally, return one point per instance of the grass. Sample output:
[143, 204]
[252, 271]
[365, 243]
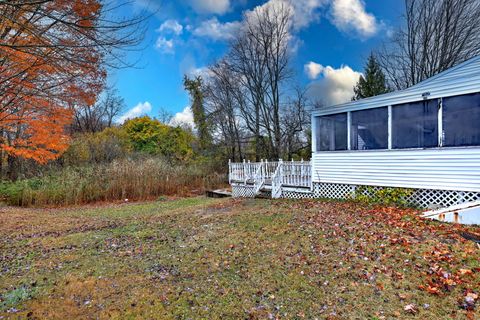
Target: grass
[199, 258]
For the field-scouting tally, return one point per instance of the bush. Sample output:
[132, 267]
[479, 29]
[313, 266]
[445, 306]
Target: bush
[383, 196]
[153, 137]
[136, 179]
[100, 147]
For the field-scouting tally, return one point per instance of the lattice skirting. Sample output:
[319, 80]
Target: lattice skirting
[241, 191]
[420, 197]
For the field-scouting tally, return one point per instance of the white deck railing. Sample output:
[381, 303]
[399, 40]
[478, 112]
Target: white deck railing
[276, 174]
[296, 174]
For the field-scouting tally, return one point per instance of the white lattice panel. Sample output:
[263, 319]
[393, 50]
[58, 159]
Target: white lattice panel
[420, 197]
[425, 198]
[333, 190]
[239, 191]
[297, 195]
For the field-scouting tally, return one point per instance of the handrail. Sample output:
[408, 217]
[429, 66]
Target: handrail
[259, 179]
[277, 182]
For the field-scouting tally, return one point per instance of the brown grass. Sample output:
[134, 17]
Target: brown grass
[201, 258]
[142, 179]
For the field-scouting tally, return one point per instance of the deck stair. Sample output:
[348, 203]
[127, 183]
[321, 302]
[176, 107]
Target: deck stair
[272, 177]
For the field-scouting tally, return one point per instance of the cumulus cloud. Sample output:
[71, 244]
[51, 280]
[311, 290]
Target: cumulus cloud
[217, 30]
[210, 6]
[335, 85]
[171, 26]
[165, 45]
[350, 15]
[306, 12]
[183, 118]
[303, 12]
[313, 70]
[139, 110]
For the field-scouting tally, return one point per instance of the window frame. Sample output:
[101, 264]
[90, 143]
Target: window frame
[440, 127]
[386, 124]
[316, 139]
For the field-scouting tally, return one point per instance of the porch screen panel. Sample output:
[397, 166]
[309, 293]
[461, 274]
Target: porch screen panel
[415, 125]
[461, 120]
[369, 129]
[331, 132]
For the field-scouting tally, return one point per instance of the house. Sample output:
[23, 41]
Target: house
[426, 138]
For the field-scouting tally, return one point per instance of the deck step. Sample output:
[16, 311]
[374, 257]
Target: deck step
[218, 193]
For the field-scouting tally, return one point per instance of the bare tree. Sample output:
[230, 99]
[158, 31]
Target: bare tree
[225, 99]
[260, 58]
[272, 30]
[295, 123]
[247, 60]
[165, 116]
[99, 116]
[436, 35]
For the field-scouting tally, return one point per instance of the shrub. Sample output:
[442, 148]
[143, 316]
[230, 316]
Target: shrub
[105, 146]
[153, 137]
[383, 196]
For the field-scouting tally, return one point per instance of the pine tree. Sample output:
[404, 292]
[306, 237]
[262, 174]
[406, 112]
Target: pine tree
[372, 83]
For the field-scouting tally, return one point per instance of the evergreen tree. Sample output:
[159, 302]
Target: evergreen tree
[195, 89]
[372, 83]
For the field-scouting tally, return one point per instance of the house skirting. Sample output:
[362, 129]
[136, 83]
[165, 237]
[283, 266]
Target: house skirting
[423, 198]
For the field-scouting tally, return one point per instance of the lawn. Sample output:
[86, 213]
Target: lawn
[199, 258]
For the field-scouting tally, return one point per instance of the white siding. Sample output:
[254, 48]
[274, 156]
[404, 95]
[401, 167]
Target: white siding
[440, 169]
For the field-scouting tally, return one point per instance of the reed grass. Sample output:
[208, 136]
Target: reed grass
[133, 179]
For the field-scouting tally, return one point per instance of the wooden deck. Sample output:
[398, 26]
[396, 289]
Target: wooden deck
[272, 176]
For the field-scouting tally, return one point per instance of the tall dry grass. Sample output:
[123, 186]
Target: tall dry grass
[139, 179]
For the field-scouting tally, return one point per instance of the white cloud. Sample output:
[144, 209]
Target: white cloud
[183, 119]
[313, 70]
[307, 12]
[335, 86]
[303, 12]
[165, 46]
[139, 110]
[217, 30]
[171, 26]
[210, 6]
[350, 15]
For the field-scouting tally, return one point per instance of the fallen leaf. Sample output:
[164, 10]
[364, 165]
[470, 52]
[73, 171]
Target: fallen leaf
[411, 308]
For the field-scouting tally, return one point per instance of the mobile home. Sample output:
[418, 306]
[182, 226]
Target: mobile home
[425, 138]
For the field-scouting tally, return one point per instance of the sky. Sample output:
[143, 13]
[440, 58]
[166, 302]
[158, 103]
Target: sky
[331, 40]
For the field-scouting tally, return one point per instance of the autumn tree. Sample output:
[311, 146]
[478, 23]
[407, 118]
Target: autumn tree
[53, 56]
[372, 82]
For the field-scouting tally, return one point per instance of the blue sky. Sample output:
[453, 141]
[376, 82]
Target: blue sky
[332, 39]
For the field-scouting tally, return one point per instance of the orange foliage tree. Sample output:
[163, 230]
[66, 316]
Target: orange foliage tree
[53, 56]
